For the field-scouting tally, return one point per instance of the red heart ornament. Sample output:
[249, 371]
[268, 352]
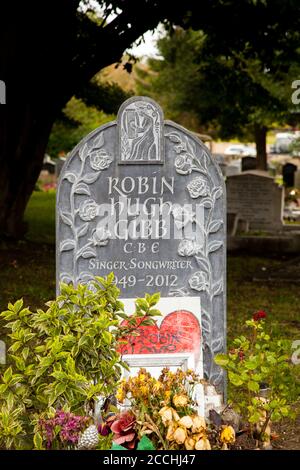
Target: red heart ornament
[179, 332]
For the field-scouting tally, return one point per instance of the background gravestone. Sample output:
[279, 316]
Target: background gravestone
[288, 174]
[48, 165]
[233, 168]
[255, 197]
[248, 163]
[137, 167]
[297, 179]
[60, 161]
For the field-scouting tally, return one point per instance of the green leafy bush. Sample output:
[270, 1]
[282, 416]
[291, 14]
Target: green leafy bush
[64, 357]
[258, 361]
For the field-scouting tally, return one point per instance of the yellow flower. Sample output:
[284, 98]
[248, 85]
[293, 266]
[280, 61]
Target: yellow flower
[186, 422]
[203, 444]
[157, 386]
[189, 443]
[142, 377]
[227, 435]
[198, 424]
[121, 392]
[144, 390]
[175, 415]
[180, 400]
[170, 432]
[180, 435]
[199, 435]
[166, 415]
[167, 395]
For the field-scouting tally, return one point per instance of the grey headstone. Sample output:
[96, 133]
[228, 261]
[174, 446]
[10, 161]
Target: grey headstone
[232, 222]
[248, 163]
[256, 198]
[231, 170]
[59, 165]
[223, 167]
[219, 158]
[48, 165]
[122, 173]
[297, 179]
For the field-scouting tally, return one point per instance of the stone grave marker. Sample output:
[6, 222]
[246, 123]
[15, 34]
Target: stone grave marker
[288, 174]
[297, 179]
[142, 197]
[48, 165]
[255, 197]
[60, 161]
[231, 170]
[248, 163]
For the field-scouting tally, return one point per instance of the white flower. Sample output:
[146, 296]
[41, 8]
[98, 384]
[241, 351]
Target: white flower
[100, 236]
[199, 281]
[88, 210]
[198, 187]
[100, 160]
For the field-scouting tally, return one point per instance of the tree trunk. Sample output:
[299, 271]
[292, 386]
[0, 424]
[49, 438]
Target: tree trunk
[260, 134]
[44, 60]
[23, 140]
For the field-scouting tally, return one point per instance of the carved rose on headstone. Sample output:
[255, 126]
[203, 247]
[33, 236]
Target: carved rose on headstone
[100, 236]
[199, 281]
[188, 248]
[198, 187]
[100, 160]
[88, 210]
[184, 163]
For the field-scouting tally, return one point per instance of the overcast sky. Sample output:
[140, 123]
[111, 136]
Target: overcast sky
[148, 47]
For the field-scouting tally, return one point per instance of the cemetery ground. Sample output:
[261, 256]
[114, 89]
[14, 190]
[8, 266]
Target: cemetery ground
[28, 271]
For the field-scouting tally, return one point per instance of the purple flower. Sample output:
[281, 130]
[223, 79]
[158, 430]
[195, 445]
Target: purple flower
[69, 428]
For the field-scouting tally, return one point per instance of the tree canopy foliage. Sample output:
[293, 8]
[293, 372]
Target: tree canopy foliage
[236, 94]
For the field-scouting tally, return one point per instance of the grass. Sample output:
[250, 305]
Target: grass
[280, 300]
[40, 217]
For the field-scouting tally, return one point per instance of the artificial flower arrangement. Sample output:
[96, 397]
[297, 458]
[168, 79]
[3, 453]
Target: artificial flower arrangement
[62, 360]
[156, 414]
[161, 414]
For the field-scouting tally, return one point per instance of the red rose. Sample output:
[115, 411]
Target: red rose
[260, 315]
[241, 355]
[123, 429]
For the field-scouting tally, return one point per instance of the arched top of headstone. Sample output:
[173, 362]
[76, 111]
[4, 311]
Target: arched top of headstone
[140, 126]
